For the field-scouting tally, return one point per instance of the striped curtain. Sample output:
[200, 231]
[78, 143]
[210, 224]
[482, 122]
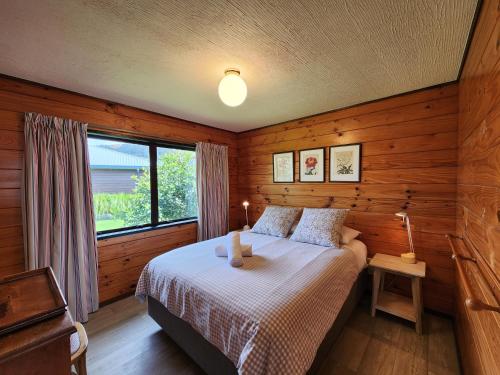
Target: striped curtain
[58, 215]
[212, 180]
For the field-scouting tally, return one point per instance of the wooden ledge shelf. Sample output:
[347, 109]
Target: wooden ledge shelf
[396, 304]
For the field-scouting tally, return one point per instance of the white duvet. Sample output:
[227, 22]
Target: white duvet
[268, 316]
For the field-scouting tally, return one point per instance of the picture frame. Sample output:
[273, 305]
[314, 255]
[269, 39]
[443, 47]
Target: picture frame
[345, 163]
[284, 167]
[312, 165]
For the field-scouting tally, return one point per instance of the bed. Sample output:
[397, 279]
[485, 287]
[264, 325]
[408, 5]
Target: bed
[277, 314]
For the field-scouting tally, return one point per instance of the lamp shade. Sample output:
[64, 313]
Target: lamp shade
[232, 88]
[246, 204]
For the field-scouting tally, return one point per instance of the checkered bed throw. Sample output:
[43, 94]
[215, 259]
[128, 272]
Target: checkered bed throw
[267, 317]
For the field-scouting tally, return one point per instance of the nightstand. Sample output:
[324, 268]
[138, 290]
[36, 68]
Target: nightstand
[404, 307]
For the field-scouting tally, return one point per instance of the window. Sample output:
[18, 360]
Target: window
[141, 184]
[176, 184]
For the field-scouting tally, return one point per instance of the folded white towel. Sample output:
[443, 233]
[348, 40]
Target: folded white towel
[246, 250]
[221, 251]
[234, 249]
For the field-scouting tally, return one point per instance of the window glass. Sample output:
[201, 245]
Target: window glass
[176, 171]
[122, 173]
[120, 183]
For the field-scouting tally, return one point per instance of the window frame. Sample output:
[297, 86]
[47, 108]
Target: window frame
[153, 145]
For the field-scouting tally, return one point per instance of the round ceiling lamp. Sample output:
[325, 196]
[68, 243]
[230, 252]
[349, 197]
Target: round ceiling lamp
[232, 88]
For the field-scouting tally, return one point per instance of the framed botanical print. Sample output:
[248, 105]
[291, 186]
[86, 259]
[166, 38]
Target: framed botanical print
[284, 167]
[345, 163]
[312, 165]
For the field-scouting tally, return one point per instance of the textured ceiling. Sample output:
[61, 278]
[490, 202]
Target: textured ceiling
[297, 57]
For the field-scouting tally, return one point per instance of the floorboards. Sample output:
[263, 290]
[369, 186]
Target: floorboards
[124, 340]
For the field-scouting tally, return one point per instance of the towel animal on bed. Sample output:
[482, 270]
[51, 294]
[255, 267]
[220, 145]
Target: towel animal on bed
[233, 249]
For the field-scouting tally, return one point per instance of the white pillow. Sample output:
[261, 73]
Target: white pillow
[320, 226]
[348, 234]
[276, 221]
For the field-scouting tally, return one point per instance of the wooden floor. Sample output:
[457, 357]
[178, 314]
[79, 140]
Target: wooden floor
[124, 340]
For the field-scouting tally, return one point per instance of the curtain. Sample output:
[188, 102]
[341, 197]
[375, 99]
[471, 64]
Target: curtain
[58, 215]
[213, 190]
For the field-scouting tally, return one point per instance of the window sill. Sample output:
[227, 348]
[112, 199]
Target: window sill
[128, 232]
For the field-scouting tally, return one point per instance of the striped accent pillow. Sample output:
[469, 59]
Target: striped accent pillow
[276, 220]
[320, 226]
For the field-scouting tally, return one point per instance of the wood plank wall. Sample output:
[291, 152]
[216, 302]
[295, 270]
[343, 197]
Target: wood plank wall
[478, 205]
[120, 258]
[11, 159]
[409, 162]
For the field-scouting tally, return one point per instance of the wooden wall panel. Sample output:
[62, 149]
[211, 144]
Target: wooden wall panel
[409, 162]
[478, 193]
[11, 233]
[120, 260]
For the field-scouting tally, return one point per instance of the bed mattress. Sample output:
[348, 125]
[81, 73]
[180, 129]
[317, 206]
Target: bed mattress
[268, 316]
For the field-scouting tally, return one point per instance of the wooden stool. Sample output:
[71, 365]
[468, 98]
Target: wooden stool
[406, 308]
[79, 343]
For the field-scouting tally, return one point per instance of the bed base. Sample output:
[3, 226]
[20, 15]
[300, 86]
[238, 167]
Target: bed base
[211, 359]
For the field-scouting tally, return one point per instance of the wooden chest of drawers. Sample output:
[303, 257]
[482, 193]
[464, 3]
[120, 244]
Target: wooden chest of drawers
[35, 327]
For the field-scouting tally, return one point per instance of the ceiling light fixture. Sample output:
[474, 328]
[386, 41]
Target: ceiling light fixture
[232, 88]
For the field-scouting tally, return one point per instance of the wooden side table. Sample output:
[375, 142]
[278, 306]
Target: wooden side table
[404, 307]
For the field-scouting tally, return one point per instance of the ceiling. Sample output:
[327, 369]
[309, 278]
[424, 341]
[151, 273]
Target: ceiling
[298, 57]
